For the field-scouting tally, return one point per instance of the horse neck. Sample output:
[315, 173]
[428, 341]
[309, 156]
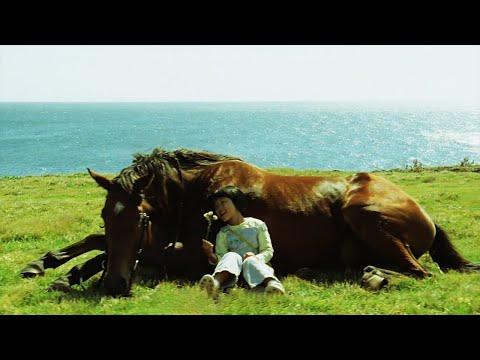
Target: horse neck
[169, 198]
[171, 191]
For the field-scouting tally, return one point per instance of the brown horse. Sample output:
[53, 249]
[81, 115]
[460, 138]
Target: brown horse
[314, 221]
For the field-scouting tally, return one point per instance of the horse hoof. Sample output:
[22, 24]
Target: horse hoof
[368, 269]
[33, 269]
[373, 282]
[60, 284]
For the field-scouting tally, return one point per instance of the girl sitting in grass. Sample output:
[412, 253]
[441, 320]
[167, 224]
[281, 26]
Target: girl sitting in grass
[243, 246]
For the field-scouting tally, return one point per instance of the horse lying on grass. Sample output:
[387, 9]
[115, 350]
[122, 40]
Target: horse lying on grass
[153, 216]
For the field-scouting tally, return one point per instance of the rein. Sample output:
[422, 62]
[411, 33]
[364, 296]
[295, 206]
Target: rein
[172, 246]
[180, 211]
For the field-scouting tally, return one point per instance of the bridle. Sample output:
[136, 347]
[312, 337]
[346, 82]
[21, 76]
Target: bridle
[144, 224]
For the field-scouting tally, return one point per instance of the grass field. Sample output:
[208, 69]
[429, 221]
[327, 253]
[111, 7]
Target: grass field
[42, 213]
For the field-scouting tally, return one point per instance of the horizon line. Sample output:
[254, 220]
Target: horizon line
[404, 103]
[419, 102]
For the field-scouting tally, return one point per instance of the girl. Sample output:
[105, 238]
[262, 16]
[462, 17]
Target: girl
[242, 246]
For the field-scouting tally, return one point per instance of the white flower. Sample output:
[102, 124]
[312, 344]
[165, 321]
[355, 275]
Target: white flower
[209, 216]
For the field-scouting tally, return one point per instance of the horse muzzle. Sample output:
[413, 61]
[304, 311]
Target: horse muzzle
[116, 285]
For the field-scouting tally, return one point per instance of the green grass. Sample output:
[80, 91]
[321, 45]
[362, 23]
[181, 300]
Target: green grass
[42, 213]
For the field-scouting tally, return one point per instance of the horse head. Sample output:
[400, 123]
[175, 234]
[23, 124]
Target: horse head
[154, 185]
[125, 215]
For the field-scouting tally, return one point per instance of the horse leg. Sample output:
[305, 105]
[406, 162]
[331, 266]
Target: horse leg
[79, 273]
[386, 247]
[382, 272]
[53, 259]
[374, 278]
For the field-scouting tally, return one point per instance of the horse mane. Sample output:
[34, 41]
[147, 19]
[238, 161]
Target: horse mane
[159, 162]
[189, 159]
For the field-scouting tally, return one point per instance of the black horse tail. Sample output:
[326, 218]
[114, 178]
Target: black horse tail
[445, 254]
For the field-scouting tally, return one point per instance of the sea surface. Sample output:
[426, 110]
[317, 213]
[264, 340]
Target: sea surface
[57, 138]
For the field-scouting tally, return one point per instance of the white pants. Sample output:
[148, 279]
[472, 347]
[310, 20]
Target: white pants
[254, 270]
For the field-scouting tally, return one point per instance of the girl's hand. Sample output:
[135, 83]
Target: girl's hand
[207, 247]
[247, 255]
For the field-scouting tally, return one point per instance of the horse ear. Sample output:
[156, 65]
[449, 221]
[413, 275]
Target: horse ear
[142, 183]
[101, 180]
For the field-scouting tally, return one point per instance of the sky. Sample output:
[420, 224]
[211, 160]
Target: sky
[361, 74]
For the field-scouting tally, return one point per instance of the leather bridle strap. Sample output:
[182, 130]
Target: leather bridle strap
[144, 221]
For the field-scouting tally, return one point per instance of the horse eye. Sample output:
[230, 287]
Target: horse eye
[101, 226]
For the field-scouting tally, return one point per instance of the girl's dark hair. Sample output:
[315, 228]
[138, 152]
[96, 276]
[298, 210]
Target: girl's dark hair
[238, 198]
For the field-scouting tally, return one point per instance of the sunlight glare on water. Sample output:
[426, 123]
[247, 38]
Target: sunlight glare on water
[43, 138]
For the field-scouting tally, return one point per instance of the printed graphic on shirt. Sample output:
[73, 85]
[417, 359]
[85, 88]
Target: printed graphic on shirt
[241, 246]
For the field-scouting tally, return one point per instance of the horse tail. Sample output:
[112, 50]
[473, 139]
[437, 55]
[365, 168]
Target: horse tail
[444, 253]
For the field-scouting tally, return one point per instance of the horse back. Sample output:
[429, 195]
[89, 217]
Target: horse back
[301, 212]
[305, 195]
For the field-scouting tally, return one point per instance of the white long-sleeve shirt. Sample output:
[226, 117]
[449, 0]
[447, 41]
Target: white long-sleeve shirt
[252, 237]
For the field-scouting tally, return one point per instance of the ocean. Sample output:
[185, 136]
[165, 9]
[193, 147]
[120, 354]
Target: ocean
[58, 138]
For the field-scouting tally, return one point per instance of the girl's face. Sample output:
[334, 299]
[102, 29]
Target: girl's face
[225, 209]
